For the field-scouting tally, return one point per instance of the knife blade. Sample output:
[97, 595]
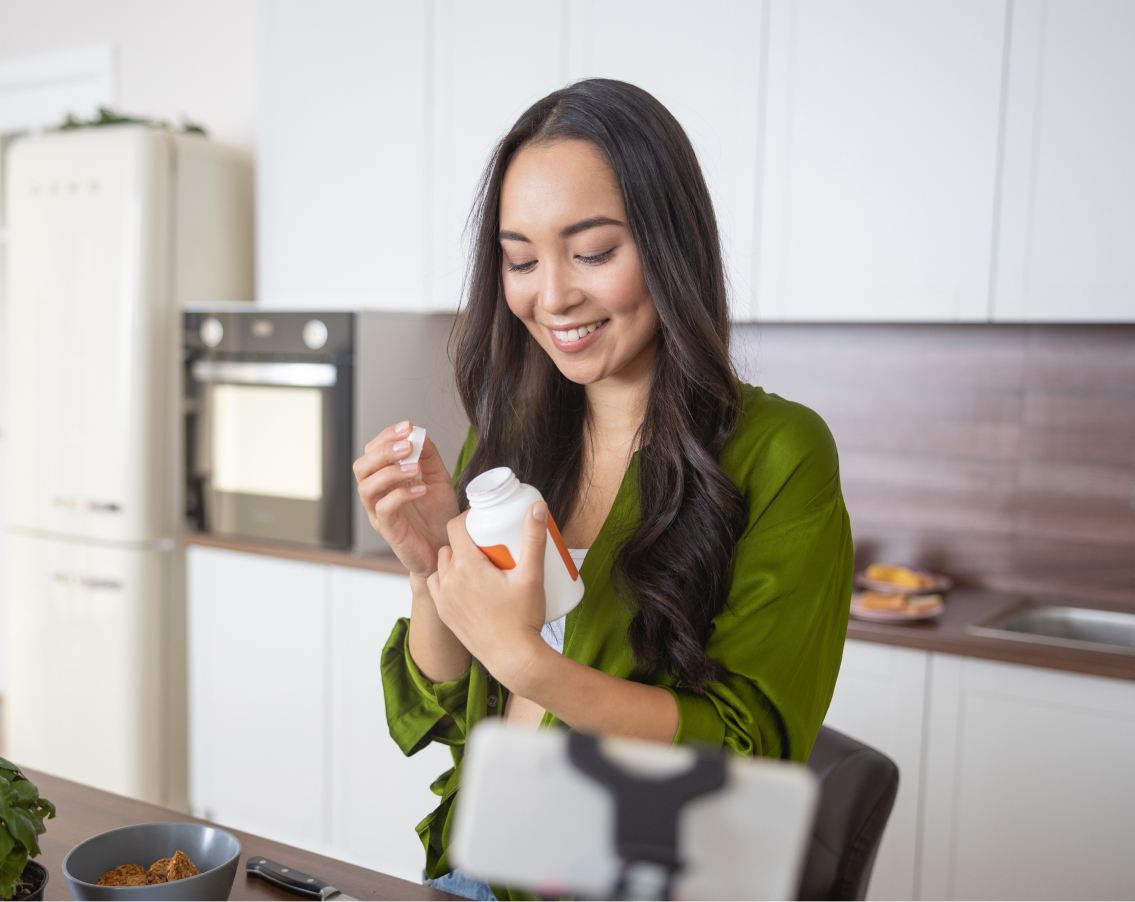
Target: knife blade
[293, 881]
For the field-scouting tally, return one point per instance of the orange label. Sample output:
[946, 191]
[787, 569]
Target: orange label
[559, 540]
[499, 555]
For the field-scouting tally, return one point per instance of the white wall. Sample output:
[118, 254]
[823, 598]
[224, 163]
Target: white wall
[199, 59]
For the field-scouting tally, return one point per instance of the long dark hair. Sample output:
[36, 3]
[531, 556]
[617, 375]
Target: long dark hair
[677, 563]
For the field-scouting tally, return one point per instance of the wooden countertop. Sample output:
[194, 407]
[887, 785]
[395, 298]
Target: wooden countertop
[84, 812]
[946, 634]
[383, 563]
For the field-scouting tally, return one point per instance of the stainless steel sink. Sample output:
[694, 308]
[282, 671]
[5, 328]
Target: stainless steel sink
[1064, 623]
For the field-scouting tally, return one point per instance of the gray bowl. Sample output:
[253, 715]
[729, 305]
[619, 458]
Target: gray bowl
[215, 852]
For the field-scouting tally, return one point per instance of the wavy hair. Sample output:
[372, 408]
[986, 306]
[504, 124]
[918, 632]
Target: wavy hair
[675, 566]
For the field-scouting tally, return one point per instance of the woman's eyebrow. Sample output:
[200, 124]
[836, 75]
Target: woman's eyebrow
[566, 231]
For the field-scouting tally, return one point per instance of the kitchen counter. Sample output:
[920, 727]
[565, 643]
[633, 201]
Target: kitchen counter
[84, 812]
[945, 634]
[383, 563]
[948, 634]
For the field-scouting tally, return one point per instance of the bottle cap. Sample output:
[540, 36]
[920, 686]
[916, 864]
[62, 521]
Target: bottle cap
[417, 439]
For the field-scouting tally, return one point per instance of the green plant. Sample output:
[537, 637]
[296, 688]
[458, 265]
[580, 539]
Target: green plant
[22, 812]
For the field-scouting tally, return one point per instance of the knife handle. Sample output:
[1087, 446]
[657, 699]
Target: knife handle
[288, 879]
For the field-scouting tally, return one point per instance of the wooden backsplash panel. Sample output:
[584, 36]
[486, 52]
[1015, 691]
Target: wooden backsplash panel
[1003, 455]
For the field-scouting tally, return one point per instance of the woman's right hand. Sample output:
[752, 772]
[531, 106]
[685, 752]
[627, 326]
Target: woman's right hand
[411, 514]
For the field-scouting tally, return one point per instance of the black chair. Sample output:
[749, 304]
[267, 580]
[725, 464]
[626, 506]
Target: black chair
[857, 791]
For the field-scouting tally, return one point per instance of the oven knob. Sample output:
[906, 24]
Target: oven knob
[212, 332]
[314, 334]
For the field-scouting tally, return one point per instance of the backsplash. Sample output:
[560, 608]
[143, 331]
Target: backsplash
[1002, 455]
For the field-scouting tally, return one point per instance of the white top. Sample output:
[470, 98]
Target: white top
[553, 632]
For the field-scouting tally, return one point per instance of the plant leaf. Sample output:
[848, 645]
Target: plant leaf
[22, 825]
[10, 870]
[7, 844]
[47, 806]
[26, 793]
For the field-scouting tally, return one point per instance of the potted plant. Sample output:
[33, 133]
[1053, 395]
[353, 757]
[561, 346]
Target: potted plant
[22, 813]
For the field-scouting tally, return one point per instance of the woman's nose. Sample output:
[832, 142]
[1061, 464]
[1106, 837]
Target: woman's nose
[557, 293]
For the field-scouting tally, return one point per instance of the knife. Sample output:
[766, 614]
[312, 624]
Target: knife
[293, 881]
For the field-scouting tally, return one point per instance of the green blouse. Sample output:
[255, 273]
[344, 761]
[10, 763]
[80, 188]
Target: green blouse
[779, 638]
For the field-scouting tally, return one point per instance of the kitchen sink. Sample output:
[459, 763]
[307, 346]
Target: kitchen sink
[1064, 623]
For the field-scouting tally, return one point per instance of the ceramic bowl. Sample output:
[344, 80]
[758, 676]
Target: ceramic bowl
[216, 853]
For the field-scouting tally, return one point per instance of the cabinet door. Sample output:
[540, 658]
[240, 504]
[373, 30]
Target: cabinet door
[702, 61]
[378, 794]
[491, 61]
[879, 701]
[341, 179]
[1068, 189]
[1028, 784]
[259, 721]
[880, 159]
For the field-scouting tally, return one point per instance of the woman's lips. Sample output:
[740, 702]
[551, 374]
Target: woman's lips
[570, 347]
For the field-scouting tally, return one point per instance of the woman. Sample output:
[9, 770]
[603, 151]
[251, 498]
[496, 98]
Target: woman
[593, 360]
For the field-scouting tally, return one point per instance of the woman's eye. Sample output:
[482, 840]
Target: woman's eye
[521, 267]
[598, 258]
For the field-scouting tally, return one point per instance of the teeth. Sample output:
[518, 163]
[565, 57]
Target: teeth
[576, 334]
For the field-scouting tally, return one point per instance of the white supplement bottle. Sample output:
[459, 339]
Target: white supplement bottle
[498, 504]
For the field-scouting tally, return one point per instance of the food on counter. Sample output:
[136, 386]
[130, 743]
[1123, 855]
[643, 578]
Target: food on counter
[882, 601]
[124, 875]
[165, 870]
[899, 576]
[890, 601]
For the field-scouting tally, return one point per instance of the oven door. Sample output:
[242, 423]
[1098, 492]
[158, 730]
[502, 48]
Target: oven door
[272, 450]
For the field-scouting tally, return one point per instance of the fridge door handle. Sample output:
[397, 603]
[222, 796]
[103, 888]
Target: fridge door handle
[87, 582]
[315, 375]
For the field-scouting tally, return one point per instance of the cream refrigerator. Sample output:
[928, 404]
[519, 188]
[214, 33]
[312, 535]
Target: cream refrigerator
[110, 231]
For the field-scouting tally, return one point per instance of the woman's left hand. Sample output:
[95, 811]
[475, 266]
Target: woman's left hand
[497, 614]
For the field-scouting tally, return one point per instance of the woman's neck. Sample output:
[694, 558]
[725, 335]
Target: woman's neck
[616, 405]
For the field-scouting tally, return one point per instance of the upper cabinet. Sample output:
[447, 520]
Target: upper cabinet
[703, 62]
[491, 60]
[342, 166]
[880, 159]
[1066, 248]
[869, 160]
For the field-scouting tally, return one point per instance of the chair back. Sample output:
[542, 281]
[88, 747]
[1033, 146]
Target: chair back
[857, 791]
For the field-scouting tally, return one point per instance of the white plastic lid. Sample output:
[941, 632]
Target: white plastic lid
[417, 439]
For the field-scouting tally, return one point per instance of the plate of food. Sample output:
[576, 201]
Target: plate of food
[888, 607]
[903, 580]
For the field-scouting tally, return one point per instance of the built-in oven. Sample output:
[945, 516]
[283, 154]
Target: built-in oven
[278, 404]
[268, 425]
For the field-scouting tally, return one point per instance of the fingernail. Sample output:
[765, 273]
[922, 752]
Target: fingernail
[409, 468]
[417, 489]
[540, 511]
[400, 447]
[402, 428]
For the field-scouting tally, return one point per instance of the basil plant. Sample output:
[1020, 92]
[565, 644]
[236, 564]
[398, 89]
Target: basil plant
[22, 812]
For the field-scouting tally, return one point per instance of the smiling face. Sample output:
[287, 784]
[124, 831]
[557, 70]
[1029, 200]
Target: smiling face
[570, 267]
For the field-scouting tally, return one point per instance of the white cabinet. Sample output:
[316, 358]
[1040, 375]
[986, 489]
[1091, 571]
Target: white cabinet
[703, 62]
[491, 61]
[288, 735]
[258, 680]
[1068, 188]
[879, 701]
[1029, 792]
[343, 155]
[378, 794]
[880, 159]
